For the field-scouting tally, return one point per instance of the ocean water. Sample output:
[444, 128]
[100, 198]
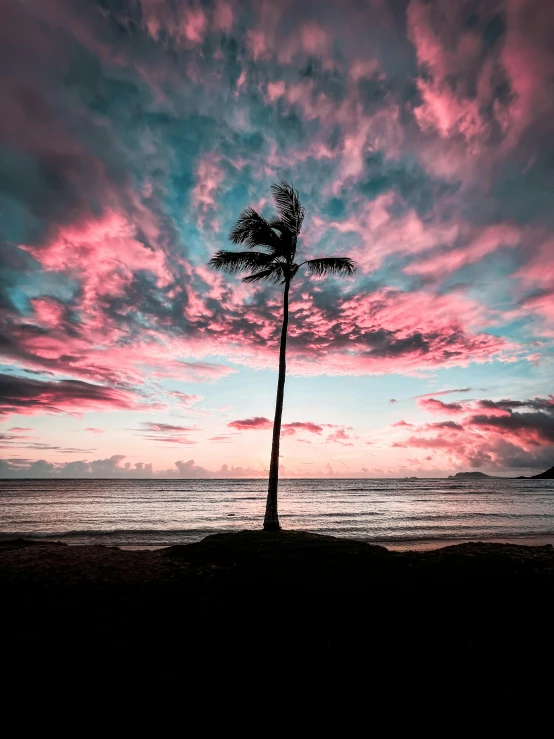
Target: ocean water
[398, 513]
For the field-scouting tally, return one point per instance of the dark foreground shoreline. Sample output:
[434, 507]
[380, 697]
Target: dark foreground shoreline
[291, 592]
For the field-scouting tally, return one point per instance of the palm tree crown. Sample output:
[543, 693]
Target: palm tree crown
[279, 238]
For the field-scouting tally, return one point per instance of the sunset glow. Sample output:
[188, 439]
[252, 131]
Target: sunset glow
[419, 137]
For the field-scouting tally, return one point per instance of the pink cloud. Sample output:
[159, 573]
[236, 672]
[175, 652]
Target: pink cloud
[383, 232]
[543, 306]
[261, 37]
[275, 90]
[184, 399]
[419, 327]
[537, 276]
[21, 395]
[223, 16]
[102, 254]
[48, 311]
[209, 177]
[167, 427]
[315, 39]
[306, 38]
[445, 110]
[491, 433]
[258, 44]
[539, 267]
[437, 406]
[523, 429]
[184, 23]
[443, 425]
[372, 333]
[256, 423]
[311, 428]
[170, 439]
[202, 371]
[289, 429]
[340, 437]
[167, 433]
[491, 239]
[93, 430]
[443, 392]
[195, 25]
[458, 82]
[418, 442]
[528, 59]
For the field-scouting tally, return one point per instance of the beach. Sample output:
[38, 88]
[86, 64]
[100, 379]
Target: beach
[370, 569]
[317, 594]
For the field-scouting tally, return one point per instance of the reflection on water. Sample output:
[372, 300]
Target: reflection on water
[162, 512]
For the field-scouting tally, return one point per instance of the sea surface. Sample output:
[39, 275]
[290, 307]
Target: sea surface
[398, 513]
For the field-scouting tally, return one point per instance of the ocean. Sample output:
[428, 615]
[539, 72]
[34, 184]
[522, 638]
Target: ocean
[398, 513]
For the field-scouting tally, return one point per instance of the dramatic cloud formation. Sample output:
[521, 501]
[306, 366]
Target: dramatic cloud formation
[488, 433]
[25, 396]
[132, 134]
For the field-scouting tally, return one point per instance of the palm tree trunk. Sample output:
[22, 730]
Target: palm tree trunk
[271, 520]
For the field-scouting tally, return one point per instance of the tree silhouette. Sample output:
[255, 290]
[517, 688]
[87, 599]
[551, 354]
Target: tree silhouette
[279, 238]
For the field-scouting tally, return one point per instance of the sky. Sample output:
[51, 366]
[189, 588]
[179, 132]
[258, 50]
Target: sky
[419, 136]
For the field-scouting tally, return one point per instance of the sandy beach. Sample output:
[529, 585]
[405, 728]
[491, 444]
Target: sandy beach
[321, 594]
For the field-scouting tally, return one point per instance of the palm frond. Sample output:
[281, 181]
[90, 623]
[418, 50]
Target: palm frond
[267, 275]
[239, 261]
[291, 213]
[331, 266]
[252, 229]
[278, 225]
[278, 273]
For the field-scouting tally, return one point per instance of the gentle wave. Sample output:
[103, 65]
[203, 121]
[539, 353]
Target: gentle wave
[55, 536]
[165, 512]
[143, 537]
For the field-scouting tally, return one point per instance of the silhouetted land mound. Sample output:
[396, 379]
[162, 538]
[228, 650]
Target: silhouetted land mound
[469, 476]
[548, 475]
[236, 593]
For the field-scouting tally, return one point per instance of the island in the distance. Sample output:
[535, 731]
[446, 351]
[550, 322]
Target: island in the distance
[470, 475]
[548, 475]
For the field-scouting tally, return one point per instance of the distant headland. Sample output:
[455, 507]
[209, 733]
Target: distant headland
[548, 475]
[470, 475]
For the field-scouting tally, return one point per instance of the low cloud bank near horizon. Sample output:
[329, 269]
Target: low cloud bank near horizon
[115, 467]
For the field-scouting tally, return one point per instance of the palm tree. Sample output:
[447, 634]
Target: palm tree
[279, 238]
